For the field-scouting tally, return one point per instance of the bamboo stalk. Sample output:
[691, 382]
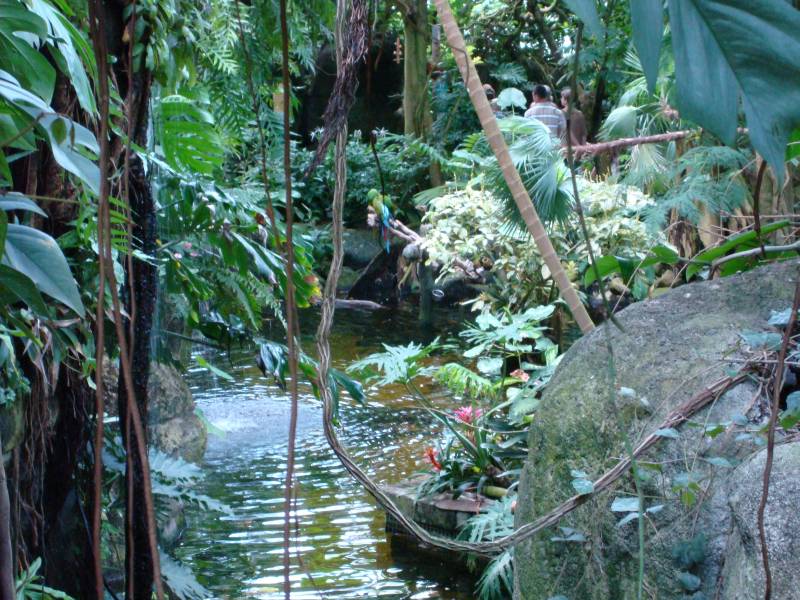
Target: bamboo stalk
[510, 173]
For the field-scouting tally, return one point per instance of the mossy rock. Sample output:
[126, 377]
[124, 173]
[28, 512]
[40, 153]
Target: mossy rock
[668, 350]
[174, 427]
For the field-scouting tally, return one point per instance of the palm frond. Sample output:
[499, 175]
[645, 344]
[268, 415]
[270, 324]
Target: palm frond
[510, 74]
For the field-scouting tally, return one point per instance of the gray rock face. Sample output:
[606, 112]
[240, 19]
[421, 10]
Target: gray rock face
[360, 247]
[743, 573]
[671, 348]
[173, 425]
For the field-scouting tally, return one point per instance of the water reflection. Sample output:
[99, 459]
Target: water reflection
[341, 550]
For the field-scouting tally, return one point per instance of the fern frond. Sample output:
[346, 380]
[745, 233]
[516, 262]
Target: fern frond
[463, 381]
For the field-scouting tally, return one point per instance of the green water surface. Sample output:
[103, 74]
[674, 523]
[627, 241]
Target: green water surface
[340, 547]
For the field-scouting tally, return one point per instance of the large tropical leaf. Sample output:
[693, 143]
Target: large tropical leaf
[647, 17]
[586, 10]
[724, 49]
[37, 256]
[15, 201]
[20, 32]
[70, 49]
[65, 136]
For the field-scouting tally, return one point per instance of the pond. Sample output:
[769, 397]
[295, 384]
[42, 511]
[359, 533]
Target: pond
[341, 550]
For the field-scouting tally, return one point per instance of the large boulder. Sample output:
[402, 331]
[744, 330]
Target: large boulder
[743, 573]
[174, 427]
[360, 246]
[668, 350]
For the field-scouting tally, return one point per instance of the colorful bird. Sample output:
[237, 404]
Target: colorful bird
[382, 205]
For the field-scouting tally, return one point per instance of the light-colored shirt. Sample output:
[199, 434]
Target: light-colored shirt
[552, 117]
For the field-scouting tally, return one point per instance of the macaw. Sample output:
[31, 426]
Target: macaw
[382, 205]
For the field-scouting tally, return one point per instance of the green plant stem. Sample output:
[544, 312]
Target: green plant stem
[773, 419]
[612, 370]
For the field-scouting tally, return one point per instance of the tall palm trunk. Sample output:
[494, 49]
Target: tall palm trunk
[416, 112]
[510, 173]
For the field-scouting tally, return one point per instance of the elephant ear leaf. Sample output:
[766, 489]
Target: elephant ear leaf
[37, 256]
[747, 48]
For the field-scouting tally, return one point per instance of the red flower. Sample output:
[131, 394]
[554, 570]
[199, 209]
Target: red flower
[430, 456]
[468, 415]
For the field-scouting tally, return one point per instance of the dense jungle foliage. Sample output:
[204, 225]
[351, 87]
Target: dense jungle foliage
[692, 113]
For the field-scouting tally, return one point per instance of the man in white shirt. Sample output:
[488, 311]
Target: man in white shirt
[543, 109]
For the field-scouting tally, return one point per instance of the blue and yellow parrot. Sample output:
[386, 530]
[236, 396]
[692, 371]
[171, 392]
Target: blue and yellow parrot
[382, 205]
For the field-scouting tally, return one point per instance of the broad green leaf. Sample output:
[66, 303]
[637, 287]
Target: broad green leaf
[741, 241]
[647, 17]
[3, 232]
[65, 153]
[16, 287]
[732, 47]
[793, 149]
[37, 256]
[20, 29]
[586, 11]
[15, 201]
[71, 51]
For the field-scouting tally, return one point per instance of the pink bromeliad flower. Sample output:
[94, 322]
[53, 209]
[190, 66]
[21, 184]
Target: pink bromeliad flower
[521, 375]
[468, 415]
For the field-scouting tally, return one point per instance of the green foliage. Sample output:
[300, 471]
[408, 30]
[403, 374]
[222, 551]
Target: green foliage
[464, 381]
[497, 580]
[738, 48]
[180, 580]
[36, 256]
[398, 364]
[710, 178]
[186, 132]
[29, 587]
[469, 226]
[735, 243]
[536, 156]
[273, 360]
[403, 165]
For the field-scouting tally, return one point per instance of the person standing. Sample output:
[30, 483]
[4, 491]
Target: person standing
[575, 118]
[546, 112]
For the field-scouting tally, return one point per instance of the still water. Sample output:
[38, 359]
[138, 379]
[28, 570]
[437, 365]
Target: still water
[341, 549]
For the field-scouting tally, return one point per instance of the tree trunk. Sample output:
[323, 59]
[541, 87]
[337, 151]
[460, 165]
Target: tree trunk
[139, 297]
[416, 110]
[144, 282]
[510, 173]
[7, 591]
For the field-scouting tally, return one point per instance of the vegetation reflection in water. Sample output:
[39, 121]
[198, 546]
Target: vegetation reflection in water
[340, 540]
